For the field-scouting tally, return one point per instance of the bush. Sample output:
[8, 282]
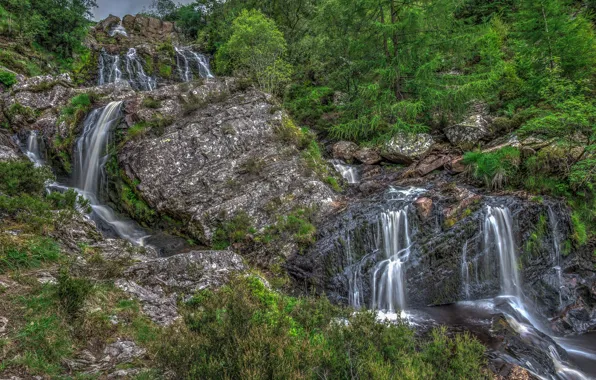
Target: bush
[149, 102]
[7, 78]
[496, 168]
[72, 293]
[246, 330]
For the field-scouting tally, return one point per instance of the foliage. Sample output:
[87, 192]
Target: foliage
[246, 330]
[256, 50]
[232, 231]
[496, 168]
[58, 26]
[7, 78]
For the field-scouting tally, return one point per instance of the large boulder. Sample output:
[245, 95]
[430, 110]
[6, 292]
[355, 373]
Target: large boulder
[157, 283]
[368, 156]
[221, 157]
[8, 149]
[405, 148]
[344, 150]
[475, 128]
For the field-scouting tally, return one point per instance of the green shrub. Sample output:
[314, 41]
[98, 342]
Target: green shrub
[7, 78]
[233, 231]
[580, 234]
[245, 330]
[72, 293]
[497, 168]
[149, 102]
[22, 177]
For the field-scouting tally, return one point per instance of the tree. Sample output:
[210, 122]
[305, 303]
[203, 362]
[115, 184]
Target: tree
[256, 50]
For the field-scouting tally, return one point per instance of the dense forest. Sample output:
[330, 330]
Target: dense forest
[415, 66]
[358, 71]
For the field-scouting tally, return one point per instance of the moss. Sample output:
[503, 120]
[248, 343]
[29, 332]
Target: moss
[165, 70]
[150, 102]
[580, 234]
[534, 246]
[136, 207]
[332, 181]
[7, 78]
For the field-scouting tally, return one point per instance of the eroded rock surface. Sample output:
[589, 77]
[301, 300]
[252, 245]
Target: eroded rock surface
[157, 283]
[405, 148]
[220, 160]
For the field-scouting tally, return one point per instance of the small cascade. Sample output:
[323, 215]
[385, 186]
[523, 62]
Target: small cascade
[33, 150]
[354, 274]
[109, 68]
[556, 259]
[118, 29]
[389, 292]
[498, 236]
[90, 160]
[348, 172]
[465, 271]
[190, 62]
[114, 68]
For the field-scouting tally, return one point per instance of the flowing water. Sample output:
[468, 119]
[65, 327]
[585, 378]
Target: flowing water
[118, 29]
[348, 172]
[115, 68]
[33, 150]
[465, 271]
[89, 174]
[191, 63]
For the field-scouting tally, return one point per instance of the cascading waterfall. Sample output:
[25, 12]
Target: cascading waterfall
[90, 159]
[118, 29]
[33, 151]
[388, 281]
[354, 274]
[498, 235]
[113, 69]
[465, 271]
[348, 172]
[190, 62]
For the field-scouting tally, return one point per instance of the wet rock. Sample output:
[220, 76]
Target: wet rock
[405, 148]
[368, 156]
[474, 129]
[423, 207]
[344, 150]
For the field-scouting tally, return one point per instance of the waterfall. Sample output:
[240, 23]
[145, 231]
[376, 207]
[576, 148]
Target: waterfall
[113, 69]
[354, 274]
[109, 68]
[118, 29]
[90, 159]
[349, 173]
[556, 259]
[189, 62]
[498, 235]
[388, 281]
[465, 270]
[32, 150]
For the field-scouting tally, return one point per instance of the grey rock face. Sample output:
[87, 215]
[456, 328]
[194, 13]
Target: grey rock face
[8, 149]
[155, 283]
[222, 159]
[405, 148]
[474, 129]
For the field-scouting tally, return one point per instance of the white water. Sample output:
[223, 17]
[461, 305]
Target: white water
[388, 282]
[498, 235]
[114, 68]
[118, 29]
[348, 172]
[90, 159]
[33, 151]
[465, 270]
[190, 62]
